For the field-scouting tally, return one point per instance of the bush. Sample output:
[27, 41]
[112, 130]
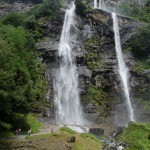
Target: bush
[140, 43]
[47, 8]
[21, 74]
[96, 95]
[81, 7]
[15, 19]
[134, 10]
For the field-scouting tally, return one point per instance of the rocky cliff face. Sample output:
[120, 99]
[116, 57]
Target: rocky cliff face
[15, 7]
[99, 82]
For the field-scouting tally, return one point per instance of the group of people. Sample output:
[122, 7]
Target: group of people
[18, 132]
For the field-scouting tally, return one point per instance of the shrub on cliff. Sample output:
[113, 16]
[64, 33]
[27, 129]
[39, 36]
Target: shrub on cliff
[15, 19]
[47, 8]
[140, 43]
[81, 7]
[134, 10]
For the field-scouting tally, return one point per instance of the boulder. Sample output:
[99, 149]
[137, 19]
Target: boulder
[96, 131]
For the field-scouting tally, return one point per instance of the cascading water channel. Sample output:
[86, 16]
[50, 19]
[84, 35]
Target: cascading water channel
[95, 4]
[101, 4]
[122, 68]
[66, 96]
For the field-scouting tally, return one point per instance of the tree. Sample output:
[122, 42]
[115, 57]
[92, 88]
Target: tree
[140, 43]
[21, 75]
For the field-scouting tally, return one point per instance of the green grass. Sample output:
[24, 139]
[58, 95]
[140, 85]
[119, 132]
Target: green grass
[55, 141]
[87, 143]
[87, 135]
[6, 134]
[66, 129]
[136, 135]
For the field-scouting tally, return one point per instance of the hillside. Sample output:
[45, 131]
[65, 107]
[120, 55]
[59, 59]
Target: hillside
[82, 63]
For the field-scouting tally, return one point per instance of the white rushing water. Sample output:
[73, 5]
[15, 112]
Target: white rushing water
[122, 68]
[101, 4]
[66, 98]
[95, 4]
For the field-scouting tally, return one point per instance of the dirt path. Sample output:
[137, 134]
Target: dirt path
[46, 129]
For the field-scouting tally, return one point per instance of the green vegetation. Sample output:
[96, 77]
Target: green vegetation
[6, 134]
[87, 135]
[95, 95]
[82, 7]
[93, 55]
[139, 46]
[24, 122]
[55, 141]
[137, 136]
[47, 8]
[24, 1]
[36, 18]
[22, 83]
[66, 129]
[33, 123]
[140, 43]
[134, 10]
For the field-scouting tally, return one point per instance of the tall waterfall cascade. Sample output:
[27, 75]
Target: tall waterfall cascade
[99, 4]
[95, 4]
[67, 101]
[122, 68]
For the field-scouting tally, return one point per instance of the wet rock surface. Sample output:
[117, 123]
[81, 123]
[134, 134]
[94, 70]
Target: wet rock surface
[106, 77]
[96, 131]
[15, 7]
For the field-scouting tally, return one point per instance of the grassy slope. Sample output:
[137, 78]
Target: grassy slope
[136, 135]
[54, 141]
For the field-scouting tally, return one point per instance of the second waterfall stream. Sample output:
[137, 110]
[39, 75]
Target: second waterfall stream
[122, 68]
[67, 101]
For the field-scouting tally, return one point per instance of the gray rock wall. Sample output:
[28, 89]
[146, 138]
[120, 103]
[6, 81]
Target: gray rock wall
[105, 75]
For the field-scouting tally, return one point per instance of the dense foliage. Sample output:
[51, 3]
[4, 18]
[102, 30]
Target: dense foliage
[140, 43]
[22, 84]
[21, 74]
[81, 7]
[36, 18]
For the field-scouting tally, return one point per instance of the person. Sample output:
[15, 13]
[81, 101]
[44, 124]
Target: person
[52, 130]
[29, 132]
[16, 132]
[19, 131]
[120, 147]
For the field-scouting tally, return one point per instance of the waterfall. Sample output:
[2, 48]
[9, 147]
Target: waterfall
[95, 4]
[66, 91]
[122, 68]
[101, 4]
